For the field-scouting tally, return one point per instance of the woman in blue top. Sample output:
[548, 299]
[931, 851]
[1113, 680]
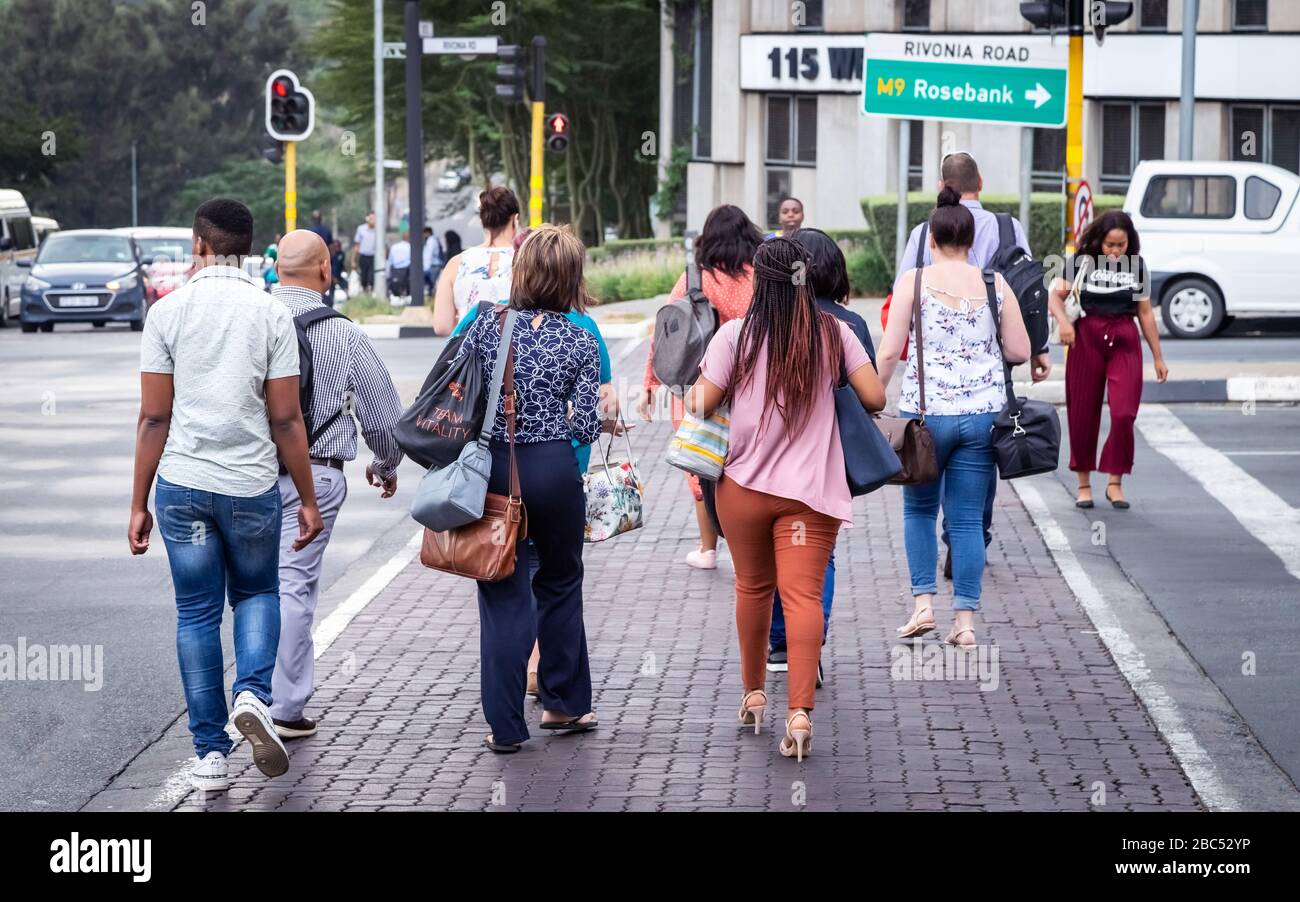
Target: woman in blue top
[556, 364]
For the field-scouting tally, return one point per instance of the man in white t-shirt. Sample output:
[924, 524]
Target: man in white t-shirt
[399, 267]
[218, 404]
[363, 251]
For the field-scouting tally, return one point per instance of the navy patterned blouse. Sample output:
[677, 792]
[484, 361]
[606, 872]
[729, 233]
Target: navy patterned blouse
[555, 363]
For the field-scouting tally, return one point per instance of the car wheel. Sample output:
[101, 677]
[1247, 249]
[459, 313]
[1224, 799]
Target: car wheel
[47, 327]
[137, 325]
[99, 325]
[29, 328]
[4, 312]
[1192, 308]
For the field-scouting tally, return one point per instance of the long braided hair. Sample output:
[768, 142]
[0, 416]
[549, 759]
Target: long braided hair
[802, 344]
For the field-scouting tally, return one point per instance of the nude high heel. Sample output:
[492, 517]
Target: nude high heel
[797, 739]
[752, 707]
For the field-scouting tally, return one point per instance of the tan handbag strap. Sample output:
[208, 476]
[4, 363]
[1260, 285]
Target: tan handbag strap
[917, 319]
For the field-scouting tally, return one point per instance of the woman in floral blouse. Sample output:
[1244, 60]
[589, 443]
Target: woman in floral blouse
[725, 253]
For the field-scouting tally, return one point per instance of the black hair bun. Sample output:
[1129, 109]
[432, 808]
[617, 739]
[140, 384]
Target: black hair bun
[949, 197]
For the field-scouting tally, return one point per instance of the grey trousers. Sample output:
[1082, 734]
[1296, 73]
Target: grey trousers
[295, 662]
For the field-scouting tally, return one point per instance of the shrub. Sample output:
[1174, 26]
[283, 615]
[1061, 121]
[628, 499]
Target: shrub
[634, 275]
[869, 275]
[623, 246]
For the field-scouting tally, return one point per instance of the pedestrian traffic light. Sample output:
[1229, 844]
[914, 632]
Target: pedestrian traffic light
[1045, 13]
[1106, 15]
[290, 108]
[510, 74]
[557, 131]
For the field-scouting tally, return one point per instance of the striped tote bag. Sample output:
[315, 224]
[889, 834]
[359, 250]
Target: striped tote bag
[700, 446]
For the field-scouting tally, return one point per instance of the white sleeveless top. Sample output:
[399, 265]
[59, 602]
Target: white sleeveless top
[963, 364]
[473, 285]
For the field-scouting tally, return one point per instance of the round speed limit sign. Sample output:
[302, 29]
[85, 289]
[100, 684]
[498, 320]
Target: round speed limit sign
[1082, 210]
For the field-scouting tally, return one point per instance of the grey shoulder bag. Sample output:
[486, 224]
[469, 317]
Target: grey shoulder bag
[454, 495]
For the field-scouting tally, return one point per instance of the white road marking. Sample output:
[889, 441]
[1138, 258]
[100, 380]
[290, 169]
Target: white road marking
[177, 785]
[1196, 762]
[1261, 453]
[1262, 512]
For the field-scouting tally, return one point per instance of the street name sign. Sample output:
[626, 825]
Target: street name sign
[1006, 79]
[461, 46]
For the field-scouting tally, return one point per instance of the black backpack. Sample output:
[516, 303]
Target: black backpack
[683, 330]
[307, 371]
[1026, 277]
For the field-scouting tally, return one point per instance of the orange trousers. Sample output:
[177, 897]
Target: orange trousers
[777, 543]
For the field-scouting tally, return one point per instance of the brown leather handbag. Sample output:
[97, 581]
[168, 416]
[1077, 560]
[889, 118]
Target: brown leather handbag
[485, 549]
[910, 438]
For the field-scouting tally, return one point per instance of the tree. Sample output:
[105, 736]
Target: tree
[602, 70]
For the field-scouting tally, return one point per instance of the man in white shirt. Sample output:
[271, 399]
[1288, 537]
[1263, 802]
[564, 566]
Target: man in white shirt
[218, 404]
[399, 267]
[433, 261]
[363, 252]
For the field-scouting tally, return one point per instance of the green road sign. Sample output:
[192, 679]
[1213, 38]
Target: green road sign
[1013, 80]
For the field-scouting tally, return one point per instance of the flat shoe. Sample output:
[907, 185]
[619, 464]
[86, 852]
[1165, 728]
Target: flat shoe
[576, 725]
[1119, 505]
[501, 748]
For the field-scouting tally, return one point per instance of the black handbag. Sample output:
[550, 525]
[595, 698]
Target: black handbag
[1026, 434]
[449, 410]
[869, 459]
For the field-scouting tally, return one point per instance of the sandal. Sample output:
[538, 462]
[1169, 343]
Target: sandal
[573, 725]
[1085, 503]
[501, 748]
[916, 626]
[752, 707]
[956, 633]
[796, 741]
[1118, 503]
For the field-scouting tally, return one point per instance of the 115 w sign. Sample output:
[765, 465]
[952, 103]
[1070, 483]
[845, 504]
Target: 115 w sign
[816, 63]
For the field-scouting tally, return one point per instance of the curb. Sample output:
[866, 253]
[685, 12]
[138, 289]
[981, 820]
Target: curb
[1244, 389]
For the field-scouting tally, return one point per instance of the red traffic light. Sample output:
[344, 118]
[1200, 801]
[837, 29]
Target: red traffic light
[558, 124]
[281, 87]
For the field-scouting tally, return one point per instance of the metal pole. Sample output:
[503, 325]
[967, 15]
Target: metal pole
[1074, 124]
[1187, 102]
[381, 205]
[904, 152]
[1026, 176]
[135, 190]
[537, 181]
[290, 186]
[415, 149]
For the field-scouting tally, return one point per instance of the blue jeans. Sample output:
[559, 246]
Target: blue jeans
[964, 448]
[218, 545]
[988, 516]
[776, 636]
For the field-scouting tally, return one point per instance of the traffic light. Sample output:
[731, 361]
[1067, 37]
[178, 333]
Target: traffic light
[290, 108]
[1106, 15]
[1045, 13]
[557, 132]
[510, 74]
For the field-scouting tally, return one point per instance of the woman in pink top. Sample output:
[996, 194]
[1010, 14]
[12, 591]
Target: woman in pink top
[783, 493]
[724, 252]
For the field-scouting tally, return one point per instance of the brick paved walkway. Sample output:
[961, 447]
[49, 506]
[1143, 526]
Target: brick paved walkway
[401, 723]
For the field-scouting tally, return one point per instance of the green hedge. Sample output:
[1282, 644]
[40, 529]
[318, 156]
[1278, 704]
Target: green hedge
[634, 275]
[1044, 228]
[612, 249]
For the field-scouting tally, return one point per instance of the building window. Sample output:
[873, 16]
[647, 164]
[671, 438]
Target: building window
[1250, 15]
[1048, 167]
[702, 113]
[778, 189]
[792, 129]
[915, 154]
[916, 15]
[1153, 15]
[1267, 134]
[1130, 133]
[814, 16]
[1190, 197]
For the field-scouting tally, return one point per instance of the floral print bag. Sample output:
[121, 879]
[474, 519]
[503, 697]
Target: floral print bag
[614, 493]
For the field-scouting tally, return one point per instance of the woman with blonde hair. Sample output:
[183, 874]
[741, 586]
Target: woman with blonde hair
[556, 365]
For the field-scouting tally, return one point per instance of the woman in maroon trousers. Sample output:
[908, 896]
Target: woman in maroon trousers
[1105, 353]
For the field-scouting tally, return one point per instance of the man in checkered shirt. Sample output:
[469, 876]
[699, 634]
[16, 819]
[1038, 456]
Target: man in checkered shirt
[348, 377]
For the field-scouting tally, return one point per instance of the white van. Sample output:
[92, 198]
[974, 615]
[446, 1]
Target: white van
[1222, 239]
[17, 242]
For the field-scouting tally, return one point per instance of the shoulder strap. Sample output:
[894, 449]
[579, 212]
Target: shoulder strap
[500, 373]
[315, 315]
[1006, 231]
[694, 281]
[917, 318]
[991, 291]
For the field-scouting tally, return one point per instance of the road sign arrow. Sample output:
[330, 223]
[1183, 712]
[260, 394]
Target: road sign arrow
[1039, 95]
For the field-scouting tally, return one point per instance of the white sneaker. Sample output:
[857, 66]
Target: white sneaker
[253, 720]
[209, 773]
[702, 560]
